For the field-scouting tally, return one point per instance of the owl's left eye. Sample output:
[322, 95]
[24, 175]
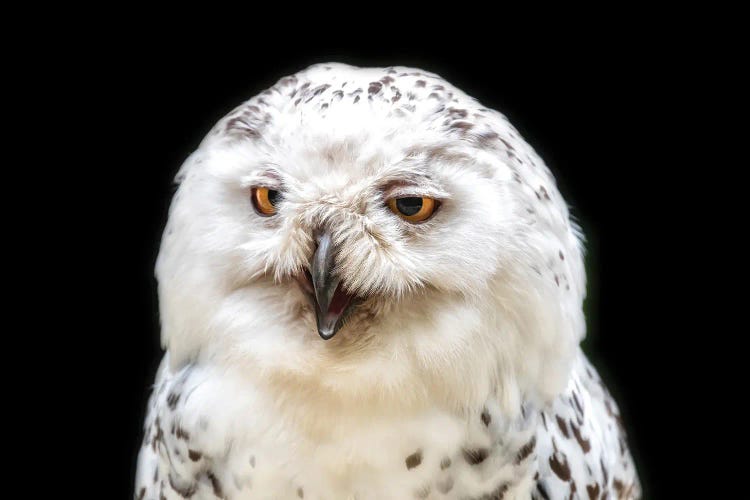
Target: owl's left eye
[413, 208]
[264, 200]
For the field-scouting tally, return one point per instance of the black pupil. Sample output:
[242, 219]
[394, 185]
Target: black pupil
[273, 196]
[409, 206]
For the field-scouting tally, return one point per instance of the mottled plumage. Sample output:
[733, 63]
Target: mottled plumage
[456, 373]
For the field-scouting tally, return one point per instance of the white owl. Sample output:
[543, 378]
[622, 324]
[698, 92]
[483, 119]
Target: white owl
[371, 288]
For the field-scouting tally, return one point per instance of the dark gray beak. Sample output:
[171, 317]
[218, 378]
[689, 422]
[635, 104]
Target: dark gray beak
[331, 302]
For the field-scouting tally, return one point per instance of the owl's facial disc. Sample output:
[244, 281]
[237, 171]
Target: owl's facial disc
[332, 303]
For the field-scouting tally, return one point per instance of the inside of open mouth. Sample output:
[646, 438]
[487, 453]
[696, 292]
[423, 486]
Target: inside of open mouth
[339, 302]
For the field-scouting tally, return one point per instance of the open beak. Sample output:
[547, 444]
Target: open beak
[331, 301]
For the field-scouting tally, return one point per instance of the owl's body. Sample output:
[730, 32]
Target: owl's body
[451, 367]
[212, 434]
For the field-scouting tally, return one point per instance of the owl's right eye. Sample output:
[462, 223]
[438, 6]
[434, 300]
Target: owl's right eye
[264, 200]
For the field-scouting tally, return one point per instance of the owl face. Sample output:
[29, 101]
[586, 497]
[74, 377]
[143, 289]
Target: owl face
[352, 231]
[382, 211]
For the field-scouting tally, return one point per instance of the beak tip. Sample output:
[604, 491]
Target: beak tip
[326, 334]
[326, 328]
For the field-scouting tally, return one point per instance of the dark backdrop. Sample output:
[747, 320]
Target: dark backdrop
[593, 110]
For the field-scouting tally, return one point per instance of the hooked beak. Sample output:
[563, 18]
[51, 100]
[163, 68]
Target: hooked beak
[331, 301]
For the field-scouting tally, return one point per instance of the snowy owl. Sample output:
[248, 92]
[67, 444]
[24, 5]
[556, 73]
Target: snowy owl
[371, 288]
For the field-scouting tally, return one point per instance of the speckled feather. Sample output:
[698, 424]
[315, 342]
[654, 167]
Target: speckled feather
[459, 375]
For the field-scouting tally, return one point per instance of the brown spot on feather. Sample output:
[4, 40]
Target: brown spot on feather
[619, 487]
[542, 490]
[215, 484]
[414, 459]
[577, 403]
[239, 126]
[374, 88]
[486, 417]
[457, 113]
[593, 491]
[585, 444]
[182, 433]
[507, 145]
[475, 456]
[462, 125]
[560, 468]
[526, 450]
[486, 138]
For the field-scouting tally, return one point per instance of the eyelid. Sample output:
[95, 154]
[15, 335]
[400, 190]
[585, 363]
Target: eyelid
[267, 186]
[265, 179]
[408, 191]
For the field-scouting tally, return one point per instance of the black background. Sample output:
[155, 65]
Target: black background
[594, 109]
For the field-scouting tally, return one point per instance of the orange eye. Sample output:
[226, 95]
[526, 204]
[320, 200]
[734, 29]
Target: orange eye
[265, 200]
[413, 208]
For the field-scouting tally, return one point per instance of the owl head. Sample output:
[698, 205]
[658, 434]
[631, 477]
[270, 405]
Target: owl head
[373, 234]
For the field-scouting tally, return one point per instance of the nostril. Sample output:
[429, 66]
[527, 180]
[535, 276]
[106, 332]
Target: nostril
[316, 237]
